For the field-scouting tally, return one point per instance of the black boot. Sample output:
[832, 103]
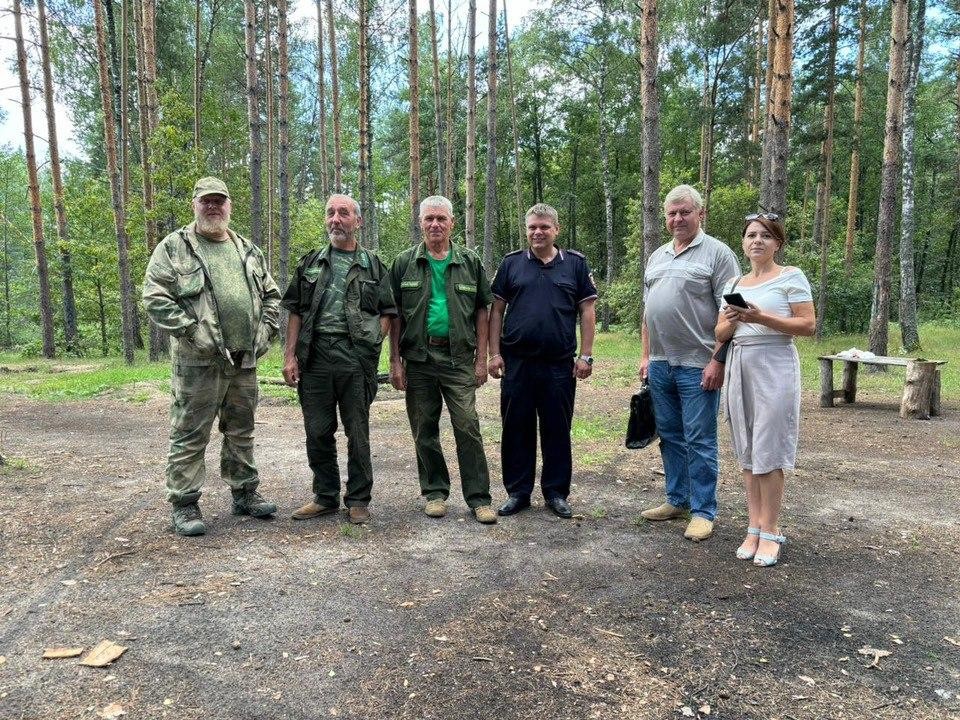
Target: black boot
[186, 519]
[247, 501]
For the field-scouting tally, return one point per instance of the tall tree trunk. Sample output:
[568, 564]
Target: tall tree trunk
[323, 174]
[448, 160]
[777, 145]
[765, 154]
[36, 211]
[823, 225]
[518, 204]
[886, 219]
[63, 239]
[807, 180]
[335, 99]
[254, 122]
[363, 111]
[414, 124]
[271, 127]
[119, 212]
[125, 100]
[367, 188]
[650, 99]
[102, 313]
[755, 114]
[909, 332]
[537, 152]
[437, 108]
[158, 339]
[197, 75]
[490, 181]
[113, 52]
[284, 127]
[854, 192]
[607, 182]
[470, 227]
[705, 93]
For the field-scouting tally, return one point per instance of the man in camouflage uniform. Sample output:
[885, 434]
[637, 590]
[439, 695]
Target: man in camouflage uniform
[209, 288]
[438, 353]
[340, 306]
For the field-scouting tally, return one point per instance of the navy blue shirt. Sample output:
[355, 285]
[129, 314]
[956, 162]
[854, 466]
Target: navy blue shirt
[542, 301]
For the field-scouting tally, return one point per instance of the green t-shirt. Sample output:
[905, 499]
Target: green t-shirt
[231, 290]
[332, 320]
[438, 316]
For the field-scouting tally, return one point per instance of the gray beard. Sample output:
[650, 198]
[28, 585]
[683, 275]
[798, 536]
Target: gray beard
[211, 227]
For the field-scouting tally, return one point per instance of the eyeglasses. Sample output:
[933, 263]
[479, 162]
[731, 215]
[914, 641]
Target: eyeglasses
[765, 216]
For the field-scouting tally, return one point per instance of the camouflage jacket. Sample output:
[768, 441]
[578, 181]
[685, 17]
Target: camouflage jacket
[366, 296]
[180, 298]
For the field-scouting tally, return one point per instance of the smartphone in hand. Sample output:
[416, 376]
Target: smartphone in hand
[735, 299]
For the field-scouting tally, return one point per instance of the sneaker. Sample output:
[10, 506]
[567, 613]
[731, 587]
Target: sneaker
[312, 510]
[359, 514]
[485, 514]
[663, 512]
[435, 508]
[249, 502]
[698, 529]
[186, 520]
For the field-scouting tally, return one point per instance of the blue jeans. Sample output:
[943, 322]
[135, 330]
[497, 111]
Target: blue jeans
[687, 426]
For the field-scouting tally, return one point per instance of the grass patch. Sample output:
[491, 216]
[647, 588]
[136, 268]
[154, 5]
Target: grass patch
[598, 512]
[598, 428]
[354, 532]
[13, 464]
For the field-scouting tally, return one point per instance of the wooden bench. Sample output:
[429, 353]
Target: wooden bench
[921, 390]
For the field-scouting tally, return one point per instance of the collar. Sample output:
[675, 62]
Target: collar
[556, 258]
[455, 255]
[360, 258]
[194, 240]
[693, 243]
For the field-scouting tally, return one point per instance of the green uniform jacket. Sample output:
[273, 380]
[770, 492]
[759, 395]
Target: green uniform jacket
[366, 297]
[468, 291]
[180, 298]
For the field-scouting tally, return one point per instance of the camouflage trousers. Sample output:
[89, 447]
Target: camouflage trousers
[199, 394]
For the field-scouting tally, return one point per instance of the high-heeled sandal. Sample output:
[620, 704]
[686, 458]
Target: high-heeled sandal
[747, 554]
[769, 560]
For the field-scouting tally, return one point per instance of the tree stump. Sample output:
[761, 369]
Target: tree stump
[918, 390]
[826, 382]
[935, 395]
[850, 382]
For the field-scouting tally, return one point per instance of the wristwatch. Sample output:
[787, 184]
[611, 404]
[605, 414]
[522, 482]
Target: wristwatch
[588, 359]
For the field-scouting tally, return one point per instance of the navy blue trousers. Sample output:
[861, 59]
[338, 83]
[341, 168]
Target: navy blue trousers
[534, 392]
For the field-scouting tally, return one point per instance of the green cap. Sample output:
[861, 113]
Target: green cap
[210, 186]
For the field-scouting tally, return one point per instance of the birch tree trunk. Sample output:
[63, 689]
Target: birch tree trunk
[63, 238]
[650, 99]
[36, 211]
[437, 108]
[284, 157]
[414, 123]
[518, 204]
[886, 219]
[119, 213]
[322, 106]
[853, 194]
[909, 332]
[254, 122]
[363, 113]
[752, 168]
[471, 221]
[765, 154]
[490, 181]
[779, 121]
[335, 99]
[271, 127]
[197, 17]
[607, 188]
[448, 160]
[822, 225]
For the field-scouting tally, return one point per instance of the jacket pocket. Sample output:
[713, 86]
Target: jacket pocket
[190, 284]
[368, 296]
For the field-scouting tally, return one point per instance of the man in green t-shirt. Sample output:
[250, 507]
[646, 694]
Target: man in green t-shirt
[340, 306]
[209, 288]
[438, 353]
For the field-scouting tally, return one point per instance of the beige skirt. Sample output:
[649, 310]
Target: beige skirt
[763, 402]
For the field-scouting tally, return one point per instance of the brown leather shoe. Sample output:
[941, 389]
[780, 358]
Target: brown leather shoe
[312, 510]
[359, 514]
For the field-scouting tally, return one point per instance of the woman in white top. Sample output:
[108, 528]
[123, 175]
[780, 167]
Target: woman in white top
[763, 378]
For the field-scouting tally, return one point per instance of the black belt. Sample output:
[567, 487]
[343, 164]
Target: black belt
[441, 341]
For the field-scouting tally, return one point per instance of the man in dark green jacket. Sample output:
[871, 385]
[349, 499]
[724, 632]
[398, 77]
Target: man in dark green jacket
[210, 289]
[340, 306]
[438, 353]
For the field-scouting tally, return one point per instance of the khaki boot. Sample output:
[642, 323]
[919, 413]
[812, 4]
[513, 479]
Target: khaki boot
[485, 514]
[698, 529]
[247, 501]
[186, 519]
[312, 510]
[435, 508]
[663, 512]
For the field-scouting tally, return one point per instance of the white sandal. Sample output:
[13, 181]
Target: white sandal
[769, 560]
[747, 554]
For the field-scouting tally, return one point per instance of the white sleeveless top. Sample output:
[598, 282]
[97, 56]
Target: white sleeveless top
[772, 296]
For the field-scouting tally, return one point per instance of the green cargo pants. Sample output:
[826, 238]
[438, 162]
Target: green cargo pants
[338, 376]
[429, 385]
[199, 395]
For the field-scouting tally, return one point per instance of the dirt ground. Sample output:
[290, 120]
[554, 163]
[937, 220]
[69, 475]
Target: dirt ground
[536, 617]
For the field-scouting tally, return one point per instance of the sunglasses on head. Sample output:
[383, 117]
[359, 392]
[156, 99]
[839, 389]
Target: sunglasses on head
[765, 216]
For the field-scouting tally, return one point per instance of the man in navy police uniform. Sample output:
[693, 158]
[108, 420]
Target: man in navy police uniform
[542, 289]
